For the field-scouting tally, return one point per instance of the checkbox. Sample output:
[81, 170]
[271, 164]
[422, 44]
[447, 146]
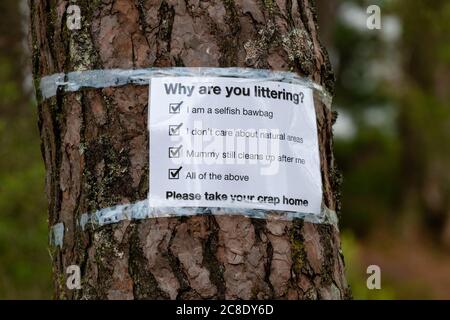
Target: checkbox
[174, 174]
[174, 130]
[175, 152]
[175, 108]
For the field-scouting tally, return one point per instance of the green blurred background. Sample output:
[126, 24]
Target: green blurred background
[391, 142]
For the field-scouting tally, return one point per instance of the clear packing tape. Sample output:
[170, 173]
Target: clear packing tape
[96, 79]
[77, 80]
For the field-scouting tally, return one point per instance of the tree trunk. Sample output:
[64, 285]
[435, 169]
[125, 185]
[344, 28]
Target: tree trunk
[95, 146]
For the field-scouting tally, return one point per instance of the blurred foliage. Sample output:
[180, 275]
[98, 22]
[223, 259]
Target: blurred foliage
[357, 275]
[25, 270]
[393, 284]
[425, 113]
[372, 182]
[394, 91]
[24, 260]
[370, 158]
[9, 92]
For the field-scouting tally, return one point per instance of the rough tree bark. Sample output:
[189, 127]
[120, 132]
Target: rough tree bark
[95, 146]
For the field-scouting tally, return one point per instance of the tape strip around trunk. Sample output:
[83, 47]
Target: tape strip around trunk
[140, 210]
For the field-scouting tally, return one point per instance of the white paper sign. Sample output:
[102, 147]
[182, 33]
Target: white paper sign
[233, 143]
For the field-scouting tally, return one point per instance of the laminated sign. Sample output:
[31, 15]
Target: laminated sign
[219, 142]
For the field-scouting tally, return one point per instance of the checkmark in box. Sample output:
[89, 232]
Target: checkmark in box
[174, 130]
[175, 108]
[175, 152]
[174, 174]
